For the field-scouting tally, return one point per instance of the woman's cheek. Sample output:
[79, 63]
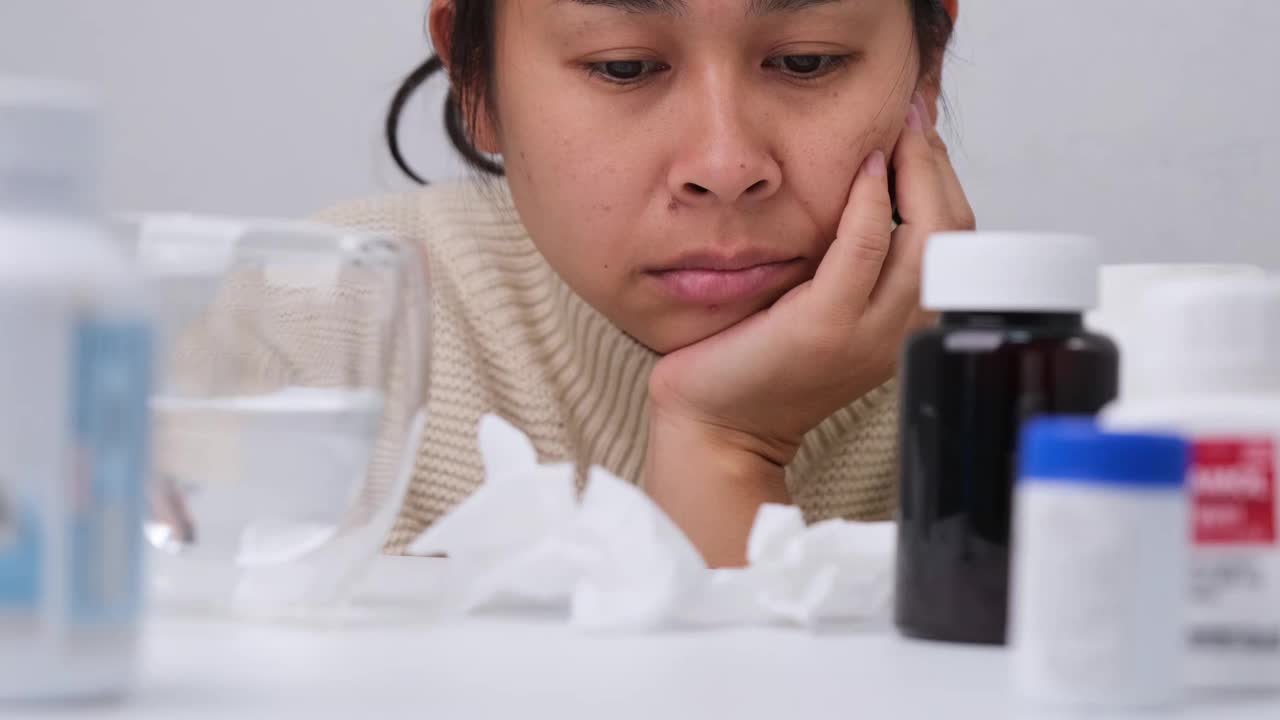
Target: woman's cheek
[824, 186]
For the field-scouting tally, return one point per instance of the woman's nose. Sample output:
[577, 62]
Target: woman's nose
[726, 163]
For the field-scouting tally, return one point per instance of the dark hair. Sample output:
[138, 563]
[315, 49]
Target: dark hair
[471, 65]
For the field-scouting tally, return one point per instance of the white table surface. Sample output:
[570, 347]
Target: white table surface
[529, 666]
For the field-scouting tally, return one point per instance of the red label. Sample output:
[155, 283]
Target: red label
[1233, 486]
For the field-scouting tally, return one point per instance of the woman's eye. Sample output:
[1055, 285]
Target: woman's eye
[807, 66]
[625, 72]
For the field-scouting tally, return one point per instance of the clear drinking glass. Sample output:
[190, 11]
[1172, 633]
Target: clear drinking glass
[292, 363]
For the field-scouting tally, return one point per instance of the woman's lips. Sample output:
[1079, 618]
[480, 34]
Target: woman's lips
[716, 286]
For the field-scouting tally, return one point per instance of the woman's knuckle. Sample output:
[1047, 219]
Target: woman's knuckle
[868, 247]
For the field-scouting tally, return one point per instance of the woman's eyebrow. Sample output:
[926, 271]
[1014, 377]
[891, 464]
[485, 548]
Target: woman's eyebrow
[638, 7]
[776, 7]
[679, 7]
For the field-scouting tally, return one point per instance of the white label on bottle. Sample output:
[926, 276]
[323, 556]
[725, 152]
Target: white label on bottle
[1095, 604]
[1234, 614]
[32, 436]
[73, 430]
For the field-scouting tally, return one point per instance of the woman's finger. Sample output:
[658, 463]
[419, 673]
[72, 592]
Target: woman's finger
[921, 194]
[960, 210]
[923, 205]
[852, 266]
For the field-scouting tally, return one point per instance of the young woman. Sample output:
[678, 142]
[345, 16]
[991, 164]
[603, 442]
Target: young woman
[680, 258]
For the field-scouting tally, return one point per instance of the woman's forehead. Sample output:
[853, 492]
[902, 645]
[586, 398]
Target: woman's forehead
[681, 7]
[678, 8]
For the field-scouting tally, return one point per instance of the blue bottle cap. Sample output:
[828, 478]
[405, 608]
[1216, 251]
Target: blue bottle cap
[1074, 449]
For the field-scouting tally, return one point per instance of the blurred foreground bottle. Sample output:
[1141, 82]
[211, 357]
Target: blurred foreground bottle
[74, 380]
[1209, 358]
[1011, 346]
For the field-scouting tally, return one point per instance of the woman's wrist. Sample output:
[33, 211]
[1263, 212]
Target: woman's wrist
[712, 479]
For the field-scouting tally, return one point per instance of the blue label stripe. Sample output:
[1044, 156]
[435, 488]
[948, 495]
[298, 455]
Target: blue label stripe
[112, 376]
[21, 556]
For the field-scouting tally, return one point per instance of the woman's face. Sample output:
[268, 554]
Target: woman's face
[682, 164]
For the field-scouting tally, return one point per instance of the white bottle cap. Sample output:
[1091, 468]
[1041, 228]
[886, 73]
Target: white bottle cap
[1210, 335]
[1124, 288]
[1010, 272]
[49, 145]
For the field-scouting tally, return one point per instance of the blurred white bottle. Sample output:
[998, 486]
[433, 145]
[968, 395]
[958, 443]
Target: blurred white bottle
[1099, 565]
[1210, 359]
[74, 379]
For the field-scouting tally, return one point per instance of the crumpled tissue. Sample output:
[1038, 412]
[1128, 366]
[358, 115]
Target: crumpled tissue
[617, 562]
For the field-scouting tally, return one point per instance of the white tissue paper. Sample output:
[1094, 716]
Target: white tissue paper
[619, 563]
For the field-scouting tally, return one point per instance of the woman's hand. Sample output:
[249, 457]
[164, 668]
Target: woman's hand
[729, 413]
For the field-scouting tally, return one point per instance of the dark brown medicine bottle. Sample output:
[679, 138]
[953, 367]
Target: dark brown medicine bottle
[1011, 345]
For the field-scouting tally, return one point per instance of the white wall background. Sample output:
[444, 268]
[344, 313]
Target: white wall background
[1154, 124]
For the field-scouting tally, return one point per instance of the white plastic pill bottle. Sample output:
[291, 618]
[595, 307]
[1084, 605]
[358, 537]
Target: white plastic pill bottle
[75, 354]
[1210, 358]
[1100, 560]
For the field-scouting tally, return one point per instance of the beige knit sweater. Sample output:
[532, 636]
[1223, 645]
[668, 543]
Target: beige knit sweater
[509, 337]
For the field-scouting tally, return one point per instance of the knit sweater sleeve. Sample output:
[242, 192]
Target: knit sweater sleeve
[848, 466]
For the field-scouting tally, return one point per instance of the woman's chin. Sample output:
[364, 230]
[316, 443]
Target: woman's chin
[677, 331]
